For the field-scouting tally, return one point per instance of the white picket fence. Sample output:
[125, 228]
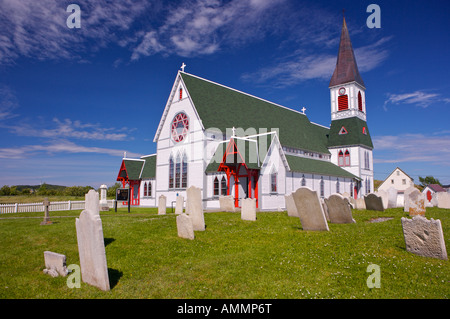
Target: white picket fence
[54, 206]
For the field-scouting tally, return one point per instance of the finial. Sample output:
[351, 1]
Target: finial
[233, 130]
[182, 67]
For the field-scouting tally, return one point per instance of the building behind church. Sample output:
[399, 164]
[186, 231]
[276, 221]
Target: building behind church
[227, 142]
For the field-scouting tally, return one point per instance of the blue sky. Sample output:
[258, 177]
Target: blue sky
[73, 100]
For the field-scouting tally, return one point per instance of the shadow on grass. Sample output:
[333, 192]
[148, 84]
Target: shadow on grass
[114, 276]
[108, 241]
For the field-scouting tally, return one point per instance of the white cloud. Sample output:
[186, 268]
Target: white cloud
[419, 98]
[69, 129]
[8, 102]
[433, 148]
[61, 146]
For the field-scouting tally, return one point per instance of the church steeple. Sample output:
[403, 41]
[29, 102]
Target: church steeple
[346, 68]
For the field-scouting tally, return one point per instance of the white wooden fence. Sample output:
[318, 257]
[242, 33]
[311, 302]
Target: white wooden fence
[54, 206]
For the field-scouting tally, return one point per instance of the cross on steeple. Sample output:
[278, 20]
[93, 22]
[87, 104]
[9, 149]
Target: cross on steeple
[182, 67]
[303, 110]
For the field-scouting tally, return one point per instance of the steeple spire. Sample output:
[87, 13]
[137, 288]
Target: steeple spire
[346, 68]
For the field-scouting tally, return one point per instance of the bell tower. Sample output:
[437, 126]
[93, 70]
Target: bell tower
[349, 140]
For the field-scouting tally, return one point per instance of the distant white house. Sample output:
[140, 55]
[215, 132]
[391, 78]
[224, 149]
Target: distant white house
[398, 179]
[432, 189]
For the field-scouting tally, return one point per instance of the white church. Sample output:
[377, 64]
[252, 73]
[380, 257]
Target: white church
[227, 142]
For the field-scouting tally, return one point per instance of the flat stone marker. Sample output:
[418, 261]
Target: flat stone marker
[162, 205]
[248, 209]
[185, 228]
[373, 202]
[46, 220]
[194, 207]
[339, 210]
[55, 264]
[424, 237]
[290, 206]
[227, 203]
[416, 203]
[310, 209]
[91, 245]
[443, 200]
[179, 205]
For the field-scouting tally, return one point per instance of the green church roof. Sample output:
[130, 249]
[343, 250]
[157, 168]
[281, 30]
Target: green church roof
[221, 107]
[354, 128]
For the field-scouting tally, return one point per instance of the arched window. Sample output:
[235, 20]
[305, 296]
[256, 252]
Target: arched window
[303, 180]
[360, 107]
[216, 186]
[181, 93]
[171, 169]
[184, 172]
[341, 158]
[338, 186]
[149, 192]
[224, 186]
[178, 172]
[273, 182]
[145, 189]
[322, 187]
[343, 102]
[347, 158]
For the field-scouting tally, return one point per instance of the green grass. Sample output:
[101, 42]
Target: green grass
[270, 258]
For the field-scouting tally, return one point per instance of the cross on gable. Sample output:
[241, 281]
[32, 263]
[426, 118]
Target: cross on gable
[182, 67]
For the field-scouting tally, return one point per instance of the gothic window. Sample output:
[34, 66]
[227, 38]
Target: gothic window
[303, 180]
[216, 186]
[347, 158]
[341, 158]
[149, 192]
[342, 102]
[338, 186]
[224, 186]
[178, 173]
[181, 93]
[184, 172]
[273, 182]
[322, 187]
[145, 189]
[171, 169]
[360, 101]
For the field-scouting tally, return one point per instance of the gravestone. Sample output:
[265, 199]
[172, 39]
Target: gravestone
[424, 237]
[91, 244]
[55, 264]
[290, 206]
[325, 209]
[227, 204]
[185, 228]
[384, 197]
[415, 203]
[392, 197]
[248, 209]
[339, 210]
[360, 203]
[179, 205]
[103, 200]
[373, 202]
[310, 209]
[162, 205]
[443, 200]
[46, 220]
[405, 196]
[194, 207]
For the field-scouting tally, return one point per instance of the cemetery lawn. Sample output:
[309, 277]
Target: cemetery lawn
[270, 258]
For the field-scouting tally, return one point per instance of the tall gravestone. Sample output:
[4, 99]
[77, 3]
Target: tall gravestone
[179, 205]
[405, 196]
[103, 200]
[339, 210]
[443, 200]
[392, 197]
[384, 197]
[46, 220]
[185, 228]
[248, 209]
[194, 207]
[310, 209]
[162, 205]
[424, 237]
[415, 201]
[373, 202]
[91, 244]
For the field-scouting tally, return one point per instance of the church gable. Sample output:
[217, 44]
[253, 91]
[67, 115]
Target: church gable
[349, 132]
